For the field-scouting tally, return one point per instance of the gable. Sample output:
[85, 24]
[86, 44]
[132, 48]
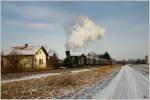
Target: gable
[42, 50]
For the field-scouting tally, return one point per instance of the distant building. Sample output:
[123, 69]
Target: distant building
[25, 57]
[147, 59]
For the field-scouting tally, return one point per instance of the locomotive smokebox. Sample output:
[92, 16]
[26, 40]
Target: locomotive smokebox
[68, 53]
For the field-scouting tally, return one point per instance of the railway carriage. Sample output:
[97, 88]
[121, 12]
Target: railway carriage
[82, 60]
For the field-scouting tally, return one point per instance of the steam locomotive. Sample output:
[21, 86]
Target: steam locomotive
[82, 60]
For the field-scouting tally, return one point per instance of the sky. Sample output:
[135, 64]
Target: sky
[43, 23]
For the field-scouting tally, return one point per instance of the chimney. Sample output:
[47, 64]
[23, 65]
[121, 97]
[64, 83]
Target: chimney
[26, 45]
[68, 53]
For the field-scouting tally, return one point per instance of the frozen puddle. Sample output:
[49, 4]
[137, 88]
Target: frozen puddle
[127, 84]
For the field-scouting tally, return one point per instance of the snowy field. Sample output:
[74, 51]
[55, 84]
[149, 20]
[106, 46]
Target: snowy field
[90, 92]
[144, 69]
[129, 83]
[62, 84]
[37, 76]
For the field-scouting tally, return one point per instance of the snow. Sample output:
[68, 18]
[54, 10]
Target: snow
[77, 71]
[63, 67]
[89, 92]
[143, 69]
[36, 76]
[128, 84]
[30, 50]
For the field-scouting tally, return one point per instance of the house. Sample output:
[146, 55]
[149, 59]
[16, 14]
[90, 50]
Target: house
[26, 56]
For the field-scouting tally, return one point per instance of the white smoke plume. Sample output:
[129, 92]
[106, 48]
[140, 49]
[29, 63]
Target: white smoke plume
[82, 32]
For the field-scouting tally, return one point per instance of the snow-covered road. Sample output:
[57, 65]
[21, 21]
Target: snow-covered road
[127, 84]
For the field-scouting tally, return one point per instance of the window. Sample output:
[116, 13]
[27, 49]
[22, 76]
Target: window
[40, 61]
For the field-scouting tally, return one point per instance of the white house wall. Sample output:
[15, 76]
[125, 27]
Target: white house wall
[40, 55]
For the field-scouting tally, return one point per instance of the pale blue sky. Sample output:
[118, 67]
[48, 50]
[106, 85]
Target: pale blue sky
[42, 23]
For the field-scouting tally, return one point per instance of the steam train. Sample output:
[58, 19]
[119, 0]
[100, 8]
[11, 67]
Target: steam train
[82, 60]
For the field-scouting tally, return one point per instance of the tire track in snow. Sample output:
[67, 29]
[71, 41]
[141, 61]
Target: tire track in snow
[110, 88]
[127, 84]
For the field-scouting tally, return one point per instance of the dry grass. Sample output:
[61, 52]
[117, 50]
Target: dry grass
[8, 70]
[104, 70]
[52, 86]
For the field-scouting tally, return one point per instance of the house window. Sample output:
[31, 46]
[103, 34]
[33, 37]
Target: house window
[40, 61]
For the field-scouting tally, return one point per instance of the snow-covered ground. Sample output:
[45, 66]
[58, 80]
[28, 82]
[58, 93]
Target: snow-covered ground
[131, 82]
[53, 85]
[83, 70]
[90, 91]
[128, 84]
[144, 69]
[37, 76]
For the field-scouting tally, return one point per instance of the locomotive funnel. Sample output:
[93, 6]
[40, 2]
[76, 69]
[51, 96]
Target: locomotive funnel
[68, 53]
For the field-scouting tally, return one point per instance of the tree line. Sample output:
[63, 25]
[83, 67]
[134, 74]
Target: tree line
[106, 55]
